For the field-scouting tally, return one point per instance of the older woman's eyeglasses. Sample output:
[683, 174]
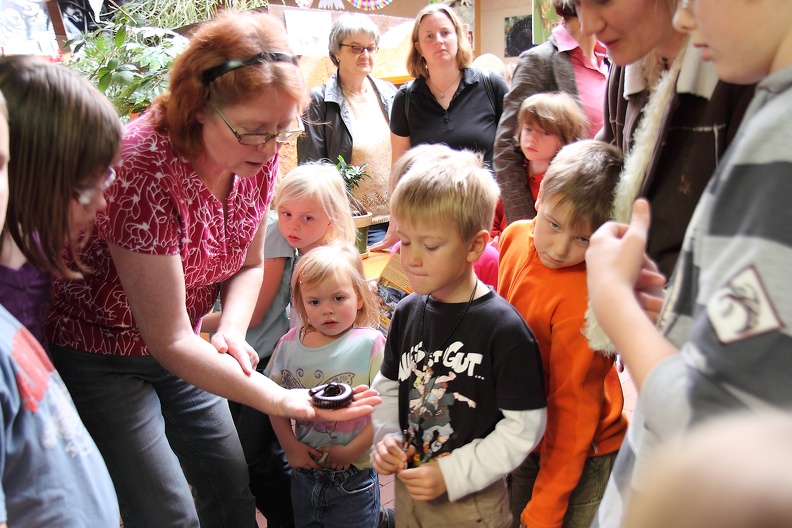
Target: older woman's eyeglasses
[260, 139]
[85, 194]
[358, 50]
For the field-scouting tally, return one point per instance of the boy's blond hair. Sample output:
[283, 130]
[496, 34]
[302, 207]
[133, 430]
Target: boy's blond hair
[432, 151]
[584, 175]
[322, 182]
[554, 112]
[447, 185]
[338, 261]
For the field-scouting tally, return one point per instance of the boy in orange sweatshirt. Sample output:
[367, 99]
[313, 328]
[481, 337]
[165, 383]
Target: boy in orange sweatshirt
[542, 273]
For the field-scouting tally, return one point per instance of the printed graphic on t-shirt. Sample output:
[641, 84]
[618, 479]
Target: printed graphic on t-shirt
[35, 382]
[432, 394]
[33, 375]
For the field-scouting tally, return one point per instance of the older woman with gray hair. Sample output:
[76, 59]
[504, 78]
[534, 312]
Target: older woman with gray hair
[349, 116]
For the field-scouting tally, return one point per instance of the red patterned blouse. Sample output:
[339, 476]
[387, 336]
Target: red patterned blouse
[158, 206]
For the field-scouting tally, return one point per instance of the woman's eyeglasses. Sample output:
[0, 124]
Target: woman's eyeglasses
[260, 139]
[358, 50]
[85, 195]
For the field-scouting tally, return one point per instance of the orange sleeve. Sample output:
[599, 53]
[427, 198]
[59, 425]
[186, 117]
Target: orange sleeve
[576, 390]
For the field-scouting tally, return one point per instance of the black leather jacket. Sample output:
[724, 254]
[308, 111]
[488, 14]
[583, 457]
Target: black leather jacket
[327, 133]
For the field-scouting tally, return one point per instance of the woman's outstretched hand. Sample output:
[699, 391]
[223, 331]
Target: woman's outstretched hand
[296, 403]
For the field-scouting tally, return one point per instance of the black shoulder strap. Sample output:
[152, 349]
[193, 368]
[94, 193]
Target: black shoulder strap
[497, 106]
[407, 93]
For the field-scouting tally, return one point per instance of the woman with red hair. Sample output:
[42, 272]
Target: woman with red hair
[188, 212]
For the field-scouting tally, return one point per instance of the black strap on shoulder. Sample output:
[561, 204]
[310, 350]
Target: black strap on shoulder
[407, 92]
[497, 106]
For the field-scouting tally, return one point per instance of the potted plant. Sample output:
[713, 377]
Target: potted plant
[353, 174]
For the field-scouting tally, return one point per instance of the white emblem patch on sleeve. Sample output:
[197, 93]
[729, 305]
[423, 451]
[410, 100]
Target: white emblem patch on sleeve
[741, 308]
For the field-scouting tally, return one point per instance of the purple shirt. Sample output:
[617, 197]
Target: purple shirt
[25, 293]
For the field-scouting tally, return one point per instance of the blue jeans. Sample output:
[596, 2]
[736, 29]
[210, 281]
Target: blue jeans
[326, 498]
[376, 232]
[158, 433]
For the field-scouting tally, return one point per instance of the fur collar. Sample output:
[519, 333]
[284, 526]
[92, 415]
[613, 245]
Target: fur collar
[636, 165]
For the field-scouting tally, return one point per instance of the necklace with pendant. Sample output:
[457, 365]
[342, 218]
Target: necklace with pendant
[442, 92]
[423, 316]
[416, 437]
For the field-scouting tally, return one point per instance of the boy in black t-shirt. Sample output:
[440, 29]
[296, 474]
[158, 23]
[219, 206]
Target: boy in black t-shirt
[461, 380]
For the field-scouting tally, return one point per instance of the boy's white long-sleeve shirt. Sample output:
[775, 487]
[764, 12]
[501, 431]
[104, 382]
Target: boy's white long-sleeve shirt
[479, 463]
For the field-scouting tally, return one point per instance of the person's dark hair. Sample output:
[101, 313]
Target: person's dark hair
[584, 175]
[565, 9]
[416, 65]
[231, 39]
[64, 134]
[349, 25]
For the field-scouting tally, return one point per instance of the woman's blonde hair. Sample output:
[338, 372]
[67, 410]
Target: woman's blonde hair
[64, 134]
[322, 182]
[338, 261]
[416, 64]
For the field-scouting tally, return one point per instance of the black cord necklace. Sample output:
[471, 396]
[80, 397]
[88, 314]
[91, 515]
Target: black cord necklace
[416, 437]
[423, 315]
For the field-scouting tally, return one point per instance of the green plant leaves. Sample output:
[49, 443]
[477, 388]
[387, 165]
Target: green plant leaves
[127, 61]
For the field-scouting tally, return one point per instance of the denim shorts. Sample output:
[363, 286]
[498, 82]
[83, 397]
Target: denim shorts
[327, 498]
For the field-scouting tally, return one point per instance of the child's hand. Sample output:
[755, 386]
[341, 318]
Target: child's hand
[424, 482]
[303, 456]
[649, 289]
[389, 457]
[615, 258]
[339, 457]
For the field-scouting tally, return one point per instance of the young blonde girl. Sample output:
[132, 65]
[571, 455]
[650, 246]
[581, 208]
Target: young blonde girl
[310, 208]
[336, 342]
[546, 123]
